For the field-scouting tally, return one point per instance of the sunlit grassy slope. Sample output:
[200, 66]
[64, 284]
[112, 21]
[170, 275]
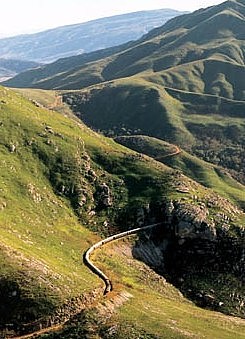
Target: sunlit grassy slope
[41, 238]
[46, 159]
[44, 166]
[152, 307]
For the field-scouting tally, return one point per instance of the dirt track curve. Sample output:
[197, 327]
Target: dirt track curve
[176, 152]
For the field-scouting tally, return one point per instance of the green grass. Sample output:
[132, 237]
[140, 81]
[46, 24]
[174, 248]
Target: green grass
[208, 175]
[200, 52]
[153, 308]
[173, 319]
[40, 234]
[39, 223]
[153, 147]
[157, 308]
[194, 121]
[131, 106]
[42, 229]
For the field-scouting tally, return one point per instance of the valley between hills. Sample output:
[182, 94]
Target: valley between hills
[93, 145]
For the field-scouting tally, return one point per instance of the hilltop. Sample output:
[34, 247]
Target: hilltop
[50, 45]
[200, 52]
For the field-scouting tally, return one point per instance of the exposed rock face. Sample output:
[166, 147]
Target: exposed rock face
[151, 254]
[200, 253]
[104, 193]
[192, 221]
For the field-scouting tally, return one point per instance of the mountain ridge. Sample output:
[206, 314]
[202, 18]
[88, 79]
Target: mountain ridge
[10, 67]
[157, 51]
[55, 43]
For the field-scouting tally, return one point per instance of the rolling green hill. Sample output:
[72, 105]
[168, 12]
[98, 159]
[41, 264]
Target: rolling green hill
[209, 126]
[182, 82]
[212, 38]
[53, 173]
[203, 172]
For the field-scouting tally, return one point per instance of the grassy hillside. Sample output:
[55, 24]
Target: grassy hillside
[151, 307]
[182, 82]
[53, 174]
[49, 187]
[41, 237]
[191, 46]
[203, 172]
[209, 126]
[130, 105]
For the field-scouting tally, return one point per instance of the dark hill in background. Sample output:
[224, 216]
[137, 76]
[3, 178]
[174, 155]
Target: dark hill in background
[86, 37]
[9, 67]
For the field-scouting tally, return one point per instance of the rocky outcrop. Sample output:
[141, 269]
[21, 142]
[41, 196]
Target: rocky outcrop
[104, 195]
[192, 221]
[151, 254]
[200, 251]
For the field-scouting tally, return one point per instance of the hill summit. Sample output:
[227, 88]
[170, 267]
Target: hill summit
[198, 52]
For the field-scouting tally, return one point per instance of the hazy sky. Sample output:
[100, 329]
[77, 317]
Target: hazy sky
[27, 16]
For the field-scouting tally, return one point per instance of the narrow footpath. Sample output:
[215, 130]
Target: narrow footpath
[176, 152]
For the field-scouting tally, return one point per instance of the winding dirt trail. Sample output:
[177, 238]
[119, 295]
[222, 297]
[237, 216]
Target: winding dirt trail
[176, 152]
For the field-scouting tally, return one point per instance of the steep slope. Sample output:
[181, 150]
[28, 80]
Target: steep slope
[57, 176]
[153, 308]
[203, 172]
[86, 37]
